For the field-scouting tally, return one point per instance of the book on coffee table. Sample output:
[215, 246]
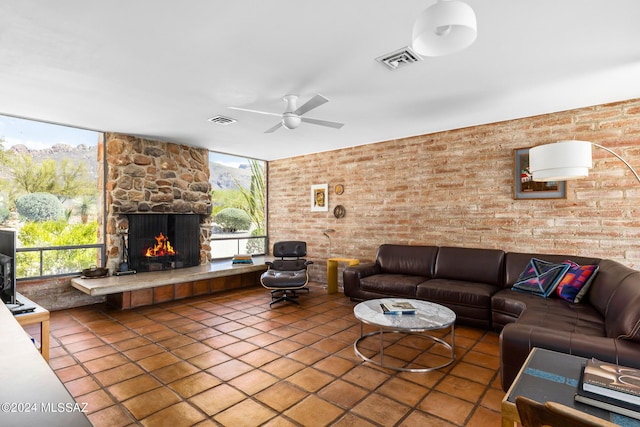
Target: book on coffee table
[612, 380]
[398, 307]
[606, 402]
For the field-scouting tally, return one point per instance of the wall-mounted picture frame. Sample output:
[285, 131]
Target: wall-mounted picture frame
[320, 198]
[524, 187]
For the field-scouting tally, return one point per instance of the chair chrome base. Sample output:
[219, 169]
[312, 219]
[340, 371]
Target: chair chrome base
[284, 295]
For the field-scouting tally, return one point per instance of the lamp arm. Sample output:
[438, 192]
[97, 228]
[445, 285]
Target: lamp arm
[619, 158]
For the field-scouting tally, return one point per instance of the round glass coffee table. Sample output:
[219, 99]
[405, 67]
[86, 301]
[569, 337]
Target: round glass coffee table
[428, 317]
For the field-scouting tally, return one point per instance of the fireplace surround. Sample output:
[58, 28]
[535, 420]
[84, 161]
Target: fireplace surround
[151, 177]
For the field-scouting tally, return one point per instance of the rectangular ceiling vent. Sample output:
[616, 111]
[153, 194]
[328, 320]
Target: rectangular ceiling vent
[399, 58]
[222, 120]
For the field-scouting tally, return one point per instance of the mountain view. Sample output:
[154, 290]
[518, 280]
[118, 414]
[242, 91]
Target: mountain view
[222, 177]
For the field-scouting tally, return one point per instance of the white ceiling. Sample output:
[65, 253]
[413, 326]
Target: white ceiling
[161, 68]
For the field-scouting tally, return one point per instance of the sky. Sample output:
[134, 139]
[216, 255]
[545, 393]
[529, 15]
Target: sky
[38, 135]
[224, 159]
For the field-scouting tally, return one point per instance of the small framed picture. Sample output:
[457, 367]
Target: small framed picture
[320, 198]
[526, 188]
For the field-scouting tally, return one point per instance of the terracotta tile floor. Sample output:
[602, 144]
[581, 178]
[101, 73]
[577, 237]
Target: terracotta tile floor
[231, 360]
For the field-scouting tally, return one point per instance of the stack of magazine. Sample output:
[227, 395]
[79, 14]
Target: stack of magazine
[609, 386]
[242, 259]
[398, 307]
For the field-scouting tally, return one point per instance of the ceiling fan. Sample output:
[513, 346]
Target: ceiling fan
[291, 118]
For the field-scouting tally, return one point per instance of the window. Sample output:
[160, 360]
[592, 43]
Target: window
[49, 193]
[238, 196]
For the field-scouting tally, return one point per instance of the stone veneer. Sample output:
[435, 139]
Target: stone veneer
[147, 176]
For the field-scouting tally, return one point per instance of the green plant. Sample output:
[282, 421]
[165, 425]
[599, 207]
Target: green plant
[85, 205]
[32, 177]
[4, 213]
[227, 198]
[3, 153]
[64, 179]
[254, 197]
[39, 207]
[232, 219]
[45, 234]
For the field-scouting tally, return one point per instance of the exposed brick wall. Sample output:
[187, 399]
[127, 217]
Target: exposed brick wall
[456, 188]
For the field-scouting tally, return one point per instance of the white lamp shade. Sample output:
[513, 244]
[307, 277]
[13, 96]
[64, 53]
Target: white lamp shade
[560, 161]
[443, 28]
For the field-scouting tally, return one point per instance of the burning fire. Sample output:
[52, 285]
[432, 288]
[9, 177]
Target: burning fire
[162, 247]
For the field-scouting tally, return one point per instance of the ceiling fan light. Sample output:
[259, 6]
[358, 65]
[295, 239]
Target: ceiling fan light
[443, 28]
[290, 121]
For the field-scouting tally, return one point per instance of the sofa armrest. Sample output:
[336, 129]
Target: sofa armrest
[353, 274]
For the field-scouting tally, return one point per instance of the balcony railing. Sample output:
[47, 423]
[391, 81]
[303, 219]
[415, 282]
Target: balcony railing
[53, 261]
[227, 247]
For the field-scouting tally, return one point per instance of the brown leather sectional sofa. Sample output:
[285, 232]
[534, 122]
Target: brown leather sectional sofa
[476, 285]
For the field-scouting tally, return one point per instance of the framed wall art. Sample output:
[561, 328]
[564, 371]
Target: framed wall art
[320, 198]
[526, 188]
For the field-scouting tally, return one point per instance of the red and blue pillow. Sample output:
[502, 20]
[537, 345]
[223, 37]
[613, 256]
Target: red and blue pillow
[576, 281]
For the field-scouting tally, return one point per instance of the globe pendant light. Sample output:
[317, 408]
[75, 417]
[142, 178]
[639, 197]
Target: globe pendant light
[443, 28]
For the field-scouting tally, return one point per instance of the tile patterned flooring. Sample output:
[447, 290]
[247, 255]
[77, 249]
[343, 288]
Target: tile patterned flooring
[230, 360]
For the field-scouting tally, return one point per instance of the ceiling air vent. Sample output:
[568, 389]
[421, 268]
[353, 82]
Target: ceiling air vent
[222, 120]
[398, 58]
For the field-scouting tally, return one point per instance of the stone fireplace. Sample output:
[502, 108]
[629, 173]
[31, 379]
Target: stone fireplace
[156, 181]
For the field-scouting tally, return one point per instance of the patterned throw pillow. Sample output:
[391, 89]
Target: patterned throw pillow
[540, 277]
[576, 281]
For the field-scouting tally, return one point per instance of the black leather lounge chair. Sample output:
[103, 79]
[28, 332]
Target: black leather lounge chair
[288, 274]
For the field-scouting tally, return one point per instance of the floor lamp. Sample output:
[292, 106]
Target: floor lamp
[565, 160]
[326, 233]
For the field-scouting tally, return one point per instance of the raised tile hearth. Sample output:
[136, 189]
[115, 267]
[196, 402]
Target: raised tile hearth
[137, 290]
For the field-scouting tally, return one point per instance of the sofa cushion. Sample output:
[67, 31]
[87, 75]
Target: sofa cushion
[404, 259]
[465, 293]
[562, 316]
[576, 281]
[540, 277]
[392, 284]
[469, 300]
[470, 265]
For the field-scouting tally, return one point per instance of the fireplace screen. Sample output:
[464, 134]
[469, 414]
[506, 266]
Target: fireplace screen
[163, 241]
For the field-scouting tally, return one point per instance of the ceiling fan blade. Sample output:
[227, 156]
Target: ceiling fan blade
[256, 111]
[273, 129]
[334, 125]
[314, 102]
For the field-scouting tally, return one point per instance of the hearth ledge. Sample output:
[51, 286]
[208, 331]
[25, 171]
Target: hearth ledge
[133, 282]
